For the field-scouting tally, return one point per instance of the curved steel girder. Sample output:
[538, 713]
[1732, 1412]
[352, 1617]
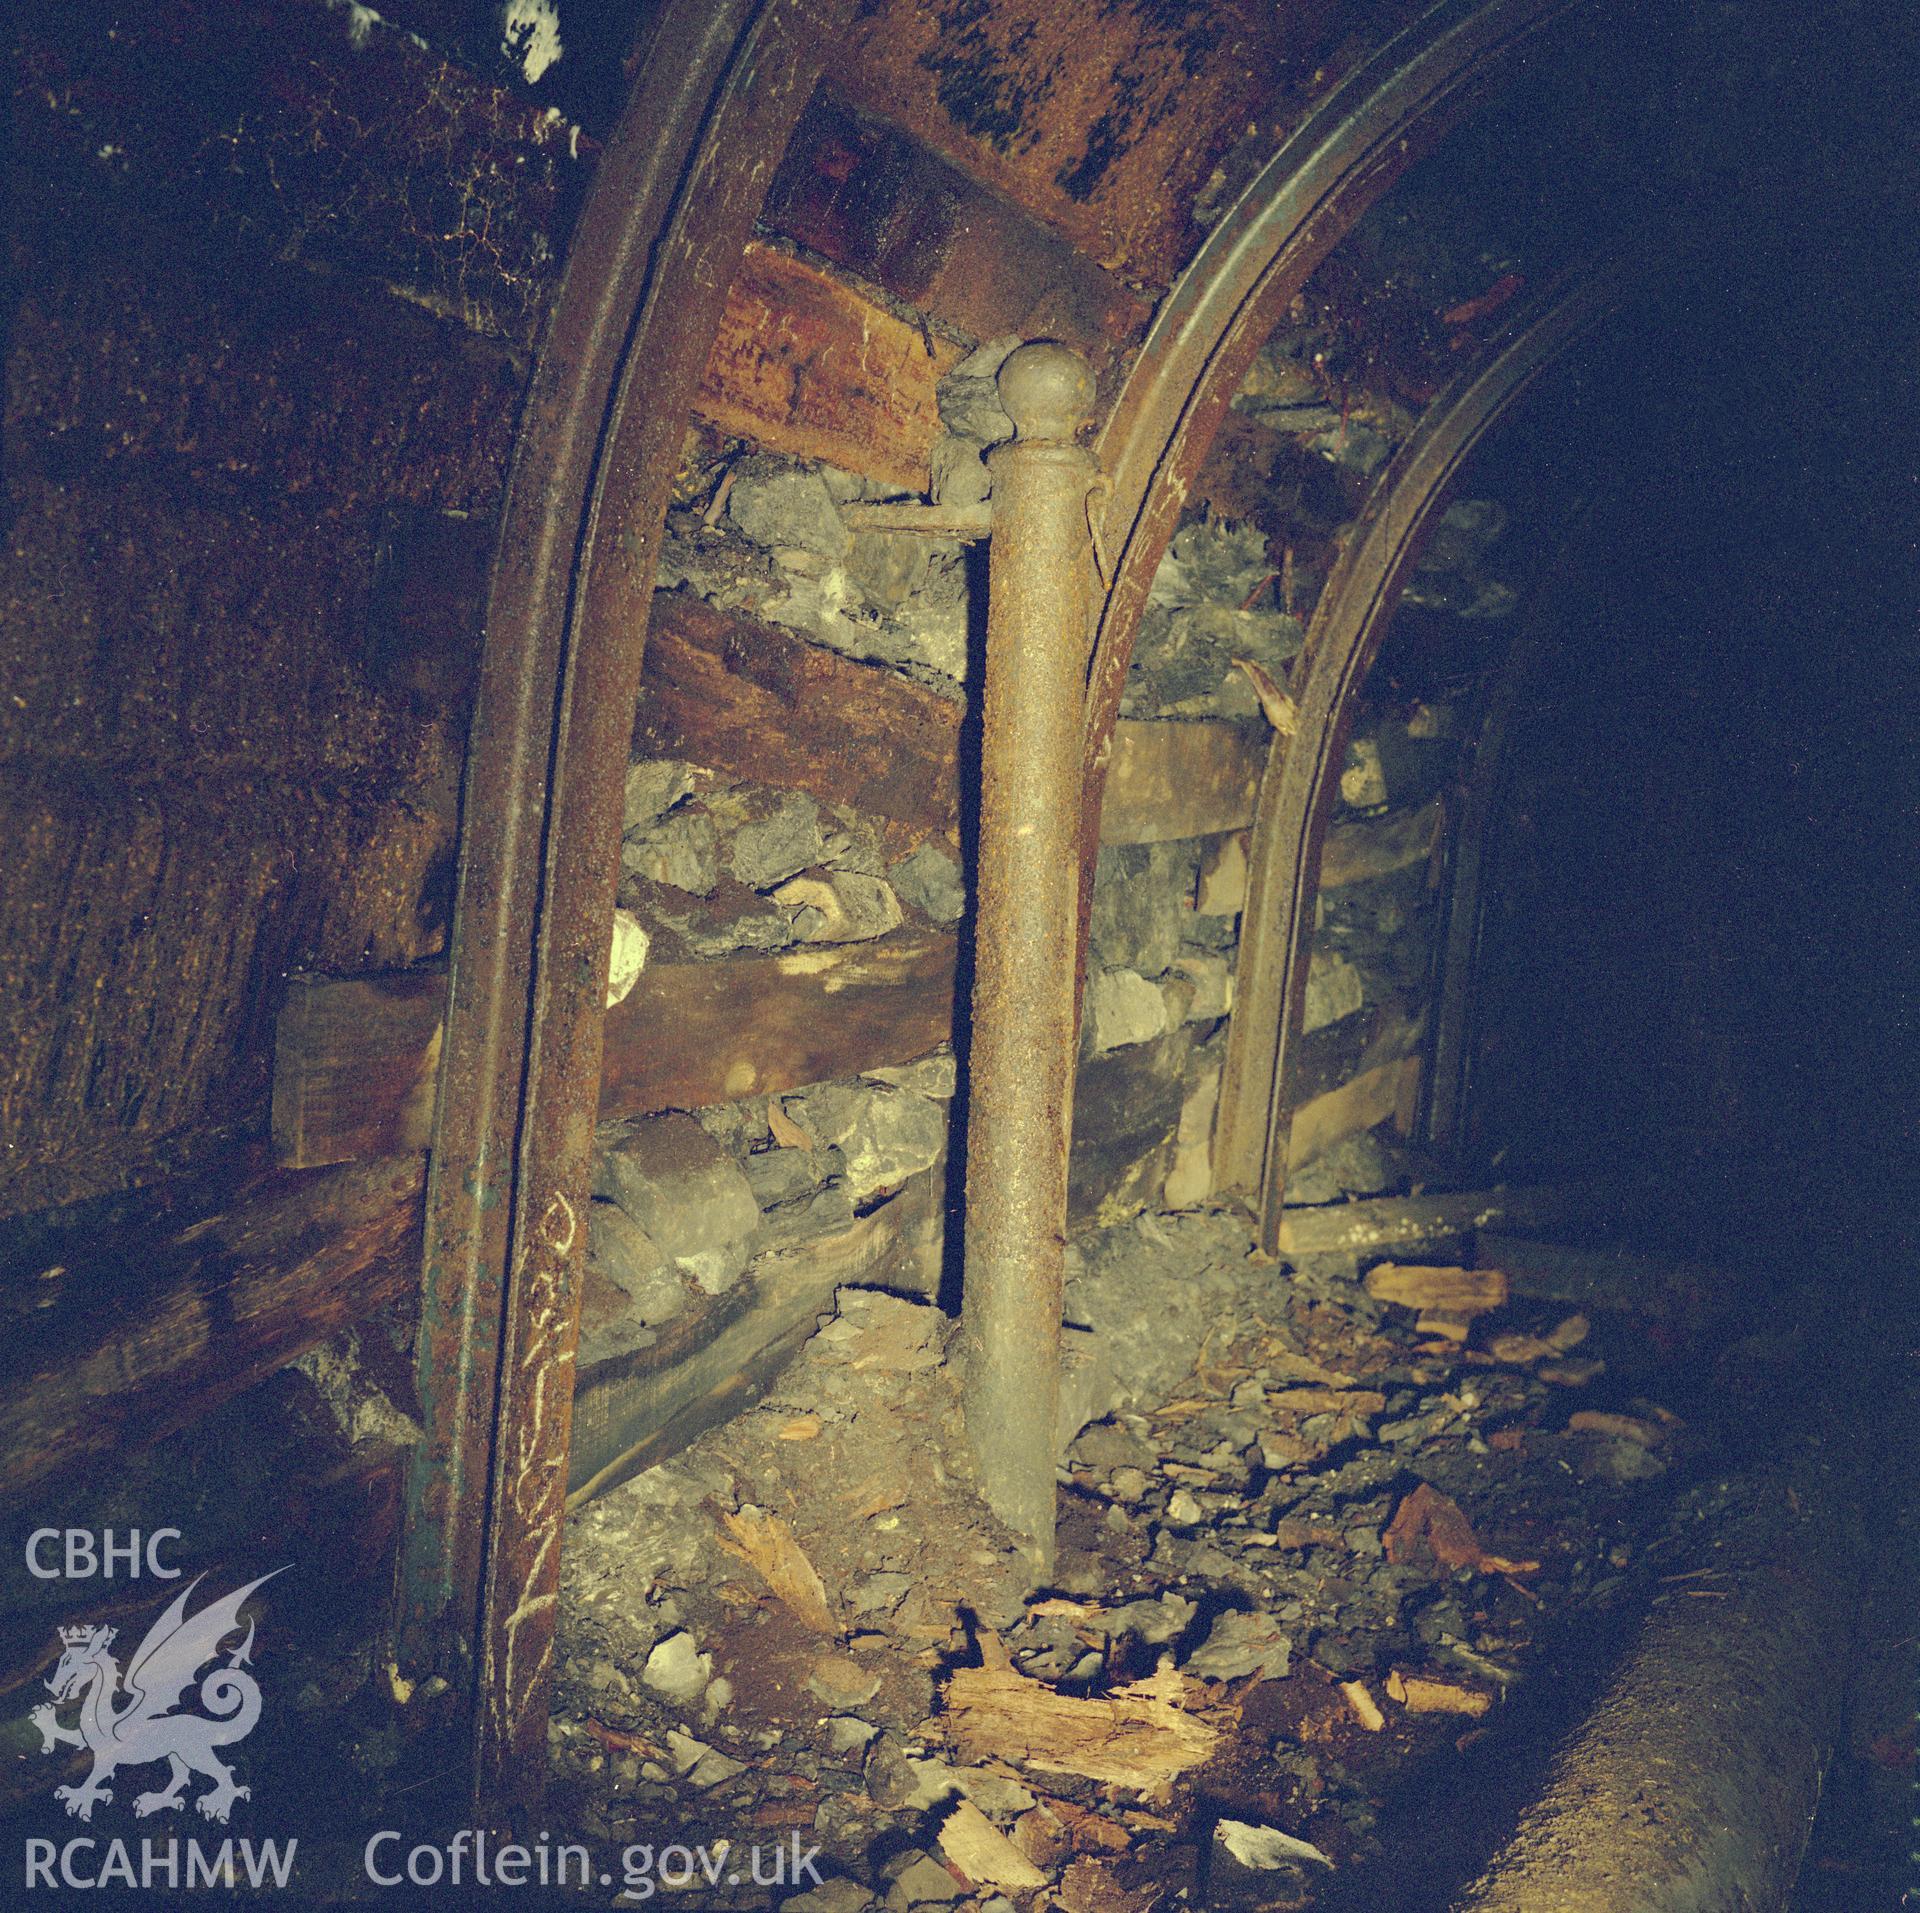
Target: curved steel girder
[674, 199]
[1213, 321]
[1296, 794]
[1448, 1094]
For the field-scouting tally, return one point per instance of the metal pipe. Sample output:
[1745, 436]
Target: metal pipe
[1020, 1068]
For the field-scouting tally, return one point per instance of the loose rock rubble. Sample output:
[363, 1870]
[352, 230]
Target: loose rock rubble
[1315, 1536]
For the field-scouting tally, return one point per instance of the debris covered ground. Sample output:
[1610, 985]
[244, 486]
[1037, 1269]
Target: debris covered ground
[1323, 1534]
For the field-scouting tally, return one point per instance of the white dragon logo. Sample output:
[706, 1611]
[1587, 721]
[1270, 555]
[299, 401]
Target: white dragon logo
[145, 1729]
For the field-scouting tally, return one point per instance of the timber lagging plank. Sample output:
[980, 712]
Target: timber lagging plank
[690, 1034]
[805, 364]
[751, 699]
[146, 1334]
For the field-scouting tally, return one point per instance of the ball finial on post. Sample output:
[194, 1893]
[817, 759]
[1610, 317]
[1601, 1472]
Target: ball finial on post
[1047, 390]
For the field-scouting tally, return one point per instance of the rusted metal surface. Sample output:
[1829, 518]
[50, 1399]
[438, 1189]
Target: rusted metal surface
[646, 280]
[1209, 327]
[1296, 796]
[1020, 1060]
[1105, 122]
[863, 194]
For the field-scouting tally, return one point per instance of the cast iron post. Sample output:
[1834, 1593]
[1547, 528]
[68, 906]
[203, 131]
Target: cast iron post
[1020, 1072]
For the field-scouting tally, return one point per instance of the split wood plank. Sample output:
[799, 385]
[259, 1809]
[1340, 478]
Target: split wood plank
[750, 699]
[807, 365]
[1171, 780]
[168, 1326]
[348, 1059]
[1424, 1285]
[1359, 851]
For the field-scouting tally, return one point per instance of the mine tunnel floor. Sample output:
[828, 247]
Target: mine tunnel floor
[1333, 1575]
[1336, 1575]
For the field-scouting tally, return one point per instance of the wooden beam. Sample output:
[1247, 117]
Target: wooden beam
[1367, 848]
[349, 1060]
[1393, 1222]
[805, 364]
[1355, 1107]
[1106, 123]
[754, 700]
[145, 1332]
[709, 1032]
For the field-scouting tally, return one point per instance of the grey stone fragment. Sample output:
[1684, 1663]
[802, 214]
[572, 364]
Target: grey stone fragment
[654, 786]
[776, 847]
[969, 396]
[842, 1682]
[780, 1175]
[888, 567]
[1155, 1622]
[807, 1219]
[1123, 1008]
[786, 508]
[1239, 1644]
[1334, 990]
[930, 882]
[681, 848]
[834, 1896]
[936, 1075]
[1212, 561]
[623, 1252]
[840, 906]
[1138, 908]
[923, 1882]
[885, 1134]
[846, 1735]
[677, 1669]
[687, 1193]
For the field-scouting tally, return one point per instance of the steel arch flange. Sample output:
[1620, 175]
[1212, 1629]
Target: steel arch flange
[1213, 321]
[655, 250]
[1302, 775]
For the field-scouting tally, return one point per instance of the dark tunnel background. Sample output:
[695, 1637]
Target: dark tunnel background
[1697, 959]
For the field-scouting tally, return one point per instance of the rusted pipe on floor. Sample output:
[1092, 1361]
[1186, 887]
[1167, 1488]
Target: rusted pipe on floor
[1020, 1070]
[1692, 1787]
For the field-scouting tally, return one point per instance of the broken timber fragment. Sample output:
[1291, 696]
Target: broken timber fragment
[1420, 1694]
[1452, 1291]
[1135, 1737]
[984, 1854]
[1399, 1221]
[767, 1545]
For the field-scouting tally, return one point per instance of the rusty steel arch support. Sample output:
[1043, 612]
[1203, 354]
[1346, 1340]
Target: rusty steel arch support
[650, 263]
[1296, 794]
[1446, 1104]
[1304, 200]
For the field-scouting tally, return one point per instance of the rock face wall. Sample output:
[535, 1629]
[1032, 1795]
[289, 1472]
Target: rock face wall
[278, 284]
